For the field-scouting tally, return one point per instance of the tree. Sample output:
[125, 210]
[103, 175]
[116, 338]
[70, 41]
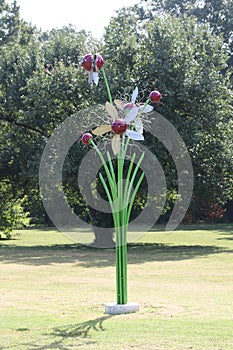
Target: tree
[12, 27]
[121, 48]
[184, 60]
[218, 14]
[17, 63]
[12, 213]
[34, 100]
[9, 21]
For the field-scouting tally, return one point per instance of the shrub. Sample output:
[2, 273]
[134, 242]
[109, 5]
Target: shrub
[12, 214]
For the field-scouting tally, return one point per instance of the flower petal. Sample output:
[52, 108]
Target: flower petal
[131, 115]
[119, 104]
[90, 76]
[116, 144]
[96, 78]
[147, 109]
[134, 135]
[102, 129]
[112, 111]
[139, 126]
[134, 95]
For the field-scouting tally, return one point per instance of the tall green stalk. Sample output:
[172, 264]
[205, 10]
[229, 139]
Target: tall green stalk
[121, 198]
[106, 84]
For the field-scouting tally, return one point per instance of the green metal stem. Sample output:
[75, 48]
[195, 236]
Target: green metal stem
[107, 85]
[134, 195]
[127, 195]
[121, 248]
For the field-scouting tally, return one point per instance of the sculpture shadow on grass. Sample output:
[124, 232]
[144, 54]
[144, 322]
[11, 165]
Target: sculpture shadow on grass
[138, 253]
[69, 337]
[81, 329]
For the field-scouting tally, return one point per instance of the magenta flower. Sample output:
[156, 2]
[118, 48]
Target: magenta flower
[92, 64]
[125, 124]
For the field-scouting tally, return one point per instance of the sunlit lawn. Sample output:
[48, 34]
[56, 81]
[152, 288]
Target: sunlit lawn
[53, 291]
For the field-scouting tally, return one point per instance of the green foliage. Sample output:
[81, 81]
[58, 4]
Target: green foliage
[12, 214]
[12, 27]
[218, 14]
[9, 21]
[67, 45]
[185, 61]
[121, 49]
[33, 102]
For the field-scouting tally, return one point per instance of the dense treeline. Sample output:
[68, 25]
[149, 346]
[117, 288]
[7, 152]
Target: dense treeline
[182, 48]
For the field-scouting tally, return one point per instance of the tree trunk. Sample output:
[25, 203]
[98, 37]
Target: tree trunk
[103, 238]
[103, 235]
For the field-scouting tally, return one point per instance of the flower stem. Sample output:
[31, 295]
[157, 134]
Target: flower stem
[107, 86]
[121, 232]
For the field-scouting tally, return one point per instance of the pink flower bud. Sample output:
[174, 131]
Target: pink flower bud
[155, 96]
[86, 138]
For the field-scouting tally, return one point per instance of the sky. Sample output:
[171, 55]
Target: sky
[91, 15]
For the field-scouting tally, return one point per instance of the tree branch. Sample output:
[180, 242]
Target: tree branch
[28, 127]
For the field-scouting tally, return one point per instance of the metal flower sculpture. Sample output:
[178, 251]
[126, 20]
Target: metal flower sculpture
[126, 121]
[92, 64]
[120, 126]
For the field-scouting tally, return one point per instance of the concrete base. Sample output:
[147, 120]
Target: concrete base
[117, 309]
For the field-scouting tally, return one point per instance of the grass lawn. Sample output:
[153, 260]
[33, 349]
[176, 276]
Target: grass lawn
[53, 291]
